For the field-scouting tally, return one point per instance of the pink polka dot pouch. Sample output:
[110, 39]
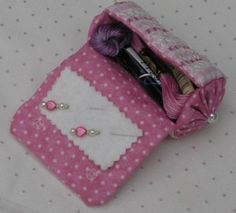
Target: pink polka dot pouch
[103, 110]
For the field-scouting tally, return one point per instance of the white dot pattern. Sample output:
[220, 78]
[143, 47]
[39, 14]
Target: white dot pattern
[36, 37]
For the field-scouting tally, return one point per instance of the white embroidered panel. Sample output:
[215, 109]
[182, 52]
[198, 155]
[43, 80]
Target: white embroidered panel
[88, 108]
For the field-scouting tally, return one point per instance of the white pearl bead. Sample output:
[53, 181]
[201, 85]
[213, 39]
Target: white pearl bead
[212, 118]
[43, 104]
[93, 132]
[61, 106]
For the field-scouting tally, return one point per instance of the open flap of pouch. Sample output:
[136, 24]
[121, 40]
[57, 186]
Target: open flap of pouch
[101, 95]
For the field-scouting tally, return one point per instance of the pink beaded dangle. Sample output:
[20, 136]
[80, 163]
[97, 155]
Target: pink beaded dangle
[82, 131]
[52, 105]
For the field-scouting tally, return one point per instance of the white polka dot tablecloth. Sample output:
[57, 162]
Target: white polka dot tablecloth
[195, 174]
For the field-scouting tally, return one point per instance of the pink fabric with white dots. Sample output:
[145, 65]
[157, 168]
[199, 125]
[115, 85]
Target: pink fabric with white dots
[94, 185]
[69, 164]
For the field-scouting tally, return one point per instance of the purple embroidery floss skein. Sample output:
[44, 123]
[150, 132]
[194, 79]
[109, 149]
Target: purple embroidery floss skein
[114, 40]
[109, 39]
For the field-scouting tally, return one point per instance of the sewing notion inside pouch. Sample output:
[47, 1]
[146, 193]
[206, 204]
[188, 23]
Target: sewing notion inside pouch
[185, 85]
[167, 85]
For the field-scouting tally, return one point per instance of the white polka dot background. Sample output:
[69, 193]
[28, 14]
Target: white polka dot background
[195, 174]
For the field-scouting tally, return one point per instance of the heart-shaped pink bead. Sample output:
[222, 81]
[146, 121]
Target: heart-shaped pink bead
[51, 105]
[80, 131]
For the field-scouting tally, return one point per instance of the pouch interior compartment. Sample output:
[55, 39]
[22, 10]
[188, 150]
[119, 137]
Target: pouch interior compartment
[165, 66]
